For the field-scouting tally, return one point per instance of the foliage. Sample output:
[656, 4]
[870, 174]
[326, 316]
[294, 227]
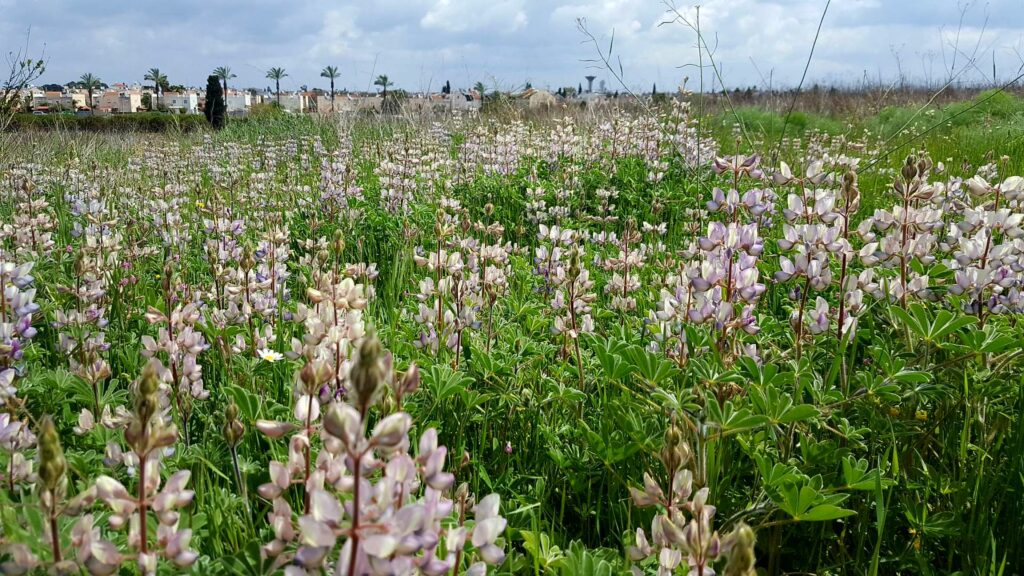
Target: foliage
[214, 108]
[116, 123]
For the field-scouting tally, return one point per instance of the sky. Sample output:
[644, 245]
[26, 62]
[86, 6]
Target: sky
[420, 44]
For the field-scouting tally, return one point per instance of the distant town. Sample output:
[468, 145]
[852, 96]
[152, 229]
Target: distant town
[123, 98]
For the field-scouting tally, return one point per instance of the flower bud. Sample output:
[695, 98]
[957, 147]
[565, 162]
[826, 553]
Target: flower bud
[391, 431]
[343, 422]
[167, 279]
[851, 193]
[462, 492]
[410, 381]
[574, 264]
[368, 371]
[741, 554]
[313, 375]
[923, 166]
[146, 400]
[338, 243]
[909, 170]
[233, 427]
[80, 264]
[315, 296]
[52, 464]
[676, 452]
[247, 262]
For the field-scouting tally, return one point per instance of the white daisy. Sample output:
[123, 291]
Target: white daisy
[269, 355]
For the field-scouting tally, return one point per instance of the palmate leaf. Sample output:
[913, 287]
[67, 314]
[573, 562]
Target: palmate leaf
[775, 473]
[732, 420]
[778, 406]
[931, 329]
[610, 449]
[609, 354]
[486, 366]
[857, 476]
[443, 382]
[654, 369]
[765, 375]
[988, 340]
[807, 504]
[539, 546]
[580, 561]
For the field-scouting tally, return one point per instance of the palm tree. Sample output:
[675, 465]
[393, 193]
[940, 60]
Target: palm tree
[332, 73]
[224, 73]
[383, 82]
[90, 83]
[276, 74]
[159, 81]
[480, 88]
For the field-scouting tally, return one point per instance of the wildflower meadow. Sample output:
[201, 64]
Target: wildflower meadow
[635, 340]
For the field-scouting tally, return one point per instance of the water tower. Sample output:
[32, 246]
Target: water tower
[590, 83]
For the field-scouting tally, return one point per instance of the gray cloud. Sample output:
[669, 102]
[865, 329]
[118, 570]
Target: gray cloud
[423, 43]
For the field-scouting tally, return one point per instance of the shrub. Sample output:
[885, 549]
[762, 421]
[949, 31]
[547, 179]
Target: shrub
[141, 122]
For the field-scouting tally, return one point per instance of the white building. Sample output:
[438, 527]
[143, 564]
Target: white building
[294, 102]
[119, 102]
[181, 102]
[238, 102]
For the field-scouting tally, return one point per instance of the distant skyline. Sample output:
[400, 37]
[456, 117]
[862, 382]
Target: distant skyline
[420, 44]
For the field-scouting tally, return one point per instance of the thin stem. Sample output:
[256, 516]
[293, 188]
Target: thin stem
[54, 533]
[800, 318]
[358, 458]
[143, 536]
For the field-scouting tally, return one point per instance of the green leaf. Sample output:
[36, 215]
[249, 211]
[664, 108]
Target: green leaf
[248, 403]
[825, 512]
[798, 413]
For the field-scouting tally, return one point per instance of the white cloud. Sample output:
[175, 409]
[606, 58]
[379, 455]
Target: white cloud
[422, 43]
[500, 16]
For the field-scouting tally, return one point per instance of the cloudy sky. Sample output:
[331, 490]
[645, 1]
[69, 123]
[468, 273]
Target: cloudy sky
[421, 43]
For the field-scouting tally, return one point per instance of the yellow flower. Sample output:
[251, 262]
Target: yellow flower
[200, 204]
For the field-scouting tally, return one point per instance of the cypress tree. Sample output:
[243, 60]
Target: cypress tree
[214, 109]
